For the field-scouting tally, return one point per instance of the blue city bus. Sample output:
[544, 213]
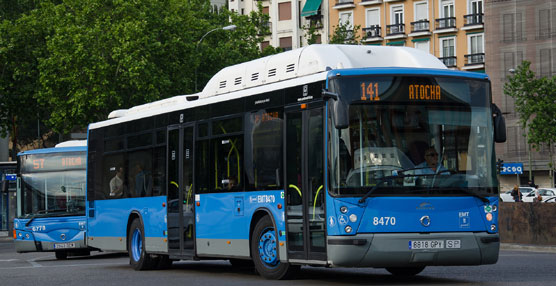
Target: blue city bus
[51, 200]
[316, 156]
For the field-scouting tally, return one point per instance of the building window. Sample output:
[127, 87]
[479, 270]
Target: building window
[421, 17]
[284, 11]
[545, 61]
[475, 46]
[423, 46]
[266, 10]
[544, 23]
[346, 18]
[372, 17]
[448, 51]
[447, 9]
[512, 28]
[286, 43]
[397, 15]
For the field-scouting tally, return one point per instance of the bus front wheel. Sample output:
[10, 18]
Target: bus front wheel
[264, 251]
[61, 255]
[138, 258]
[405, 271]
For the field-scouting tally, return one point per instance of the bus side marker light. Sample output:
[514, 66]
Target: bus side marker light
[279, 206]
[120, 239]
[198, 204]
[15, 237]
[163, 204]
[165, 240]
[303, 106]
[493, 227]
[489, 216]
[228, 242]
[281, 244]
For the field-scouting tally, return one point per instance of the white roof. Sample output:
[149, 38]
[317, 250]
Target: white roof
[72, 143]
[287, 69]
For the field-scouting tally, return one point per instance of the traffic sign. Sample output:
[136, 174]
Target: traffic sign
[512, 169]
[11, 177]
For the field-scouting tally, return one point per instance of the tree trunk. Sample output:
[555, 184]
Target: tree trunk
[13, 135]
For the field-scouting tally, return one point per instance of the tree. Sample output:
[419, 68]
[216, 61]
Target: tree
[535, 102]
[22, 43]
[311, 32]
[345, 33]
[108, 55]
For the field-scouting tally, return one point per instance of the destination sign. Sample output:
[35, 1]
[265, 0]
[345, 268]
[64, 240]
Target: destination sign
[53, 162]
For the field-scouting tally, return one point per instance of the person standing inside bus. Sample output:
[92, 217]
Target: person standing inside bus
[142, 181]
[117, 184]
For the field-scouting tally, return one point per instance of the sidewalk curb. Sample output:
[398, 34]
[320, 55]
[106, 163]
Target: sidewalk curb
[528, 247]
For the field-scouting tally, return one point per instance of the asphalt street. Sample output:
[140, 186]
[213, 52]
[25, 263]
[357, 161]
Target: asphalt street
[515, 267]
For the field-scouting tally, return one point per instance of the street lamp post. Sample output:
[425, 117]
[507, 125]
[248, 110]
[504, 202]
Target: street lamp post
[227, 28]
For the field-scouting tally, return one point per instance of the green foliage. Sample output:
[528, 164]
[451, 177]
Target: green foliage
[344, 33]
[311, 33]
[535, 102]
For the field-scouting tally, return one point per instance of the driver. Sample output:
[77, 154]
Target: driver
[431, 165]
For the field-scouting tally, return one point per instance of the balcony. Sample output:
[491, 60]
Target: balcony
[395, 31]
[474, 61]
[420, 28]
[445, 25]
[344, 4]
[373, 33]
[369, 2]
[473, 21]
[449, 61]
[266, 29]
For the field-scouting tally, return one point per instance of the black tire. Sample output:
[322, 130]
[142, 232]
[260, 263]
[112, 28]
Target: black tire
[138, 258]
[405, 271]
[61, 255]
[164, 262]
[242, 263]
[266, 257]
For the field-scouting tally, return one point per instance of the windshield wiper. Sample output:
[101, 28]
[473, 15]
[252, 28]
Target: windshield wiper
[467, 191]
[43, 213]
[380, 182]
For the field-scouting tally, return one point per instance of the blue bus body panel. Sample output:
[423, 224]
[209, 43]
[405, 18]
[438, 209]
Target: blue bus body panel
[404, 214]
[218, 217]
[51, 229]
[111, 216]
[53, 150]
[389, 71]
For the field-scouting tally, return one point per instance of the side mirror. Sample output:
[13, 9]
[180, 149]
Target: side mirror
[499, 125]
[340, 110]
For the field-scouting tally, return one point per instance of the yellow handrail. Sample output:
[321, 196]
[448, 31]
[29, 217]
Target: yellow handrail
[296, 188]
[315, 201]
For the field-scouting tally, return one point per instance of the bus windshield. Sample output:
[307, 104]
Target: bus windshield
[413, 135]
[52, 185]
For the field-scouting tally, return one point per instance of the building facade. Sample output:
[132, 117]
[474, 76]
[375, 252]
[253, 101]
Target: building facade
[452, 30]
[517, 31]
[289, 20]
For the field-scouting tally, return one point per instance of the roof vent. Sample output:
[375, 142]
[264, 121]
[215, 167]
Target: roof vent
[237, 81]
[290, 68]
[271, 72]
[255, 76]
[223, 84]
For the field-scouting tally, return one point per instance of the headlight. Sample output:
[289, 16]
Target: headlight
[348, 229]
[353, 218]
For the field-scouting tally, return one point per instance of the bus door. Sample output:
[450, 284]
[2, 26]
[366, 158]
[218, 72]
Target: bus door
[180, 190]
[305, 216]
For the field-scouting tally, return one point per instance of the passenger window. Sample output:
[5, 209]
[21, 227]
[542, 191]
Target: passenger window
[140, 173]
[227, 164]
[202, 158]
[263, 160]
[114, 174]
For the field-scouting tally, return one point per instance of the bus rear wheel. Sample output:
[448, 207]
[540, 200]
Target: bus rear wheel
[405, 271]
[138, 258]
[264, 251]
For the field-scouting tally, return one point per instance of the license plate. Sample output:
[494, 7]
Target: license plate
[64, 245]
[453, 243]
[426, 244]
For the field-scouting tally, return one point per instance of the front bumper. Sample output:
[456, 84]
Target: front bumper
[392, 250]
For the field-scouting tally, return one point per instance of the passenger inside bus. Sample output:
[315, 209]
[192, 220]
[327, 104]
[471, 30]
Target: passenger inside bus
[117, 184]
